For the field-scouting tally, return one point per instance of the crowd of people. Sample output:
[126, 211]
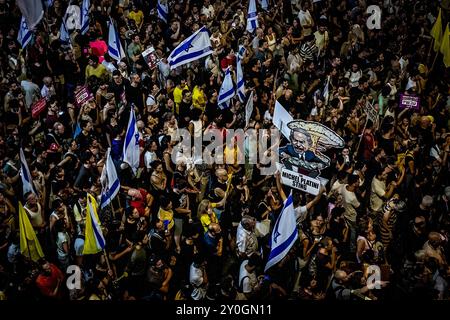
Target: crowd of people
[195, 231]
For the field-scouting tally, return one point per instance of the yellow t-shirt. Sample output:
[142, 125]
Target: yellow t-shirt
[136, 16]
[198, 98]
[166, 215]
[178, 97]
[99, 72]
[206, 220]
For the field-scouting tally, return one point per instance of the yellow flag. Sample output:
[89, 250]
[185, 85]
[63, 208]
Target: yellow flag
[445, 47]
[94, 241]
[436, 32]
[29, 244]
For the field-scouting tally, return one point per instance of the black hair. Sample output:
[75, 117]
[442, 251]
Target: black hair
[352, 179]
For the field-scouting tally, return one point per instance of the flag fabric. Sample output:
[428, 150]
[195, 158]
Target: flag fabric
[25, 34]
[445, 47]
[115, 49]
[264, 4]
[284, 234]
[197, 46]
[249, 109]
[64, 33]
[29, 243]
[281, 118]
[131, 152]
[226, 91]
[85, 16]
[252, 17]
[240, 75]
[32, 10]
[326, 91]
[163, 11]
[27, 181]
[48, 3]
[436, 32]
[77, 131]
[110, 181]
[94, 241]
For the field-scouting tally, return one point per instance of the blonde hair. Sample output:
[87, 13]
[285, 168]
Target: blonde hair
[202, 207]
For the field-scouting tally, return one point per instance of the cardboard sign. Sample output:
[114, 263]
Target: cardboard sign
[409, 102]
[371, 112]
[300, 181]
[150, 57]
[38, 107]
[82, 96]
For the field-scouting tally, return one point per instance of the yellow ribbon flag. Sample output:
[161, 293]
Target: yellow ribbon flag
[94, 241]
[436, 32]
[445, 47]
[29, 243]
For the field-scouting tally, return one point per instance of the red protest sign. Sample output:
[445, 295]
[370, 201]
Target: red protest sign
[38, 107]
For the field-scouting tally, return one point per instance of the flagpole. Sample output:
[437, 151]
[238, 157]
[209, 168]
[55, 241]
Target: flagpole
[434, 61]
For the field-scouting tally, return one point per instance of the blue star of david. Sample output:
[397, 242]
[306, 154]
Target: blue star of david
[136, 136]
[275, 237]
[189, 46]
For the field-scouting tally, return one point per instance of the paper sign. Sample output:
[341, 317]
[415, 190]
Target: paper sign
[409, 102]
[150, 57]
[83, 95]
[300, 181]
[371, 112]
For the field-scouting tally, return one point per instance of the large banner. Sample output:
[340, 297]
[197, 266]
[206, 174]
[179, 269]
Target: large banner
[300, 181]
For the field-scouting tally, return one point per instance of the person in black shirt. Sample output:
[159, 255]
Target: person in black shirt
[87, 175]
[85, 137]
[119, 86]
[134, 93]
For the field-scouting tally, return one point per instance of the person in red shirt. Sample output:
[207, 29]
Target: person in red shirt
[50, 280]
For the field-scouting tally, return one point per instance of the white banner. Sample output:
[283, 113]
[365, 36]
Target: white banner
[299, 181]
[371, 112]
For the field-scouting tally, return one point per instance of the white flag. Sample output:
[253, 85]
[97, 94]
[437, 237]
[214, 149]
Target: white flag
[284, 234]
[281, 118]
[27, 180]
[32, 11]
[226, 91]
[110, 181]
[25, 35]
[197, 46]
[264, 4]
[64, 33]
[131, 152]
[85, 16]
[252, 17]
[115, 49]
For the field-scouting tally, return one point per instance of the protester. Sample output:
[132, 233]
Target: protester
[178, 226]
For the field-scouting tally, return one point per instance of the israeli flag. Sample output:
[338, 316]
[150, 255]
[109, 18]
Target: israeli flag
[25, 35]
[326, 91]
[131, 152]
[27, 181]
[252, 17]
[64, 33]
[226, 91]
[264, 4]
[197, 46]
[163, 11]
[240, 75]
[110, 181]
[115, 49]
[48, 3]
[284, 234]
[85, 16]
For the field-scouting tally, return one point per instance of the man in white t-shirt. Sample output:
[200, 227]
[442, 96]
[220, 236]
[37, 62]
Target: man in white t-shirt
[351, 203]
[198, 278]
[247, 276]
